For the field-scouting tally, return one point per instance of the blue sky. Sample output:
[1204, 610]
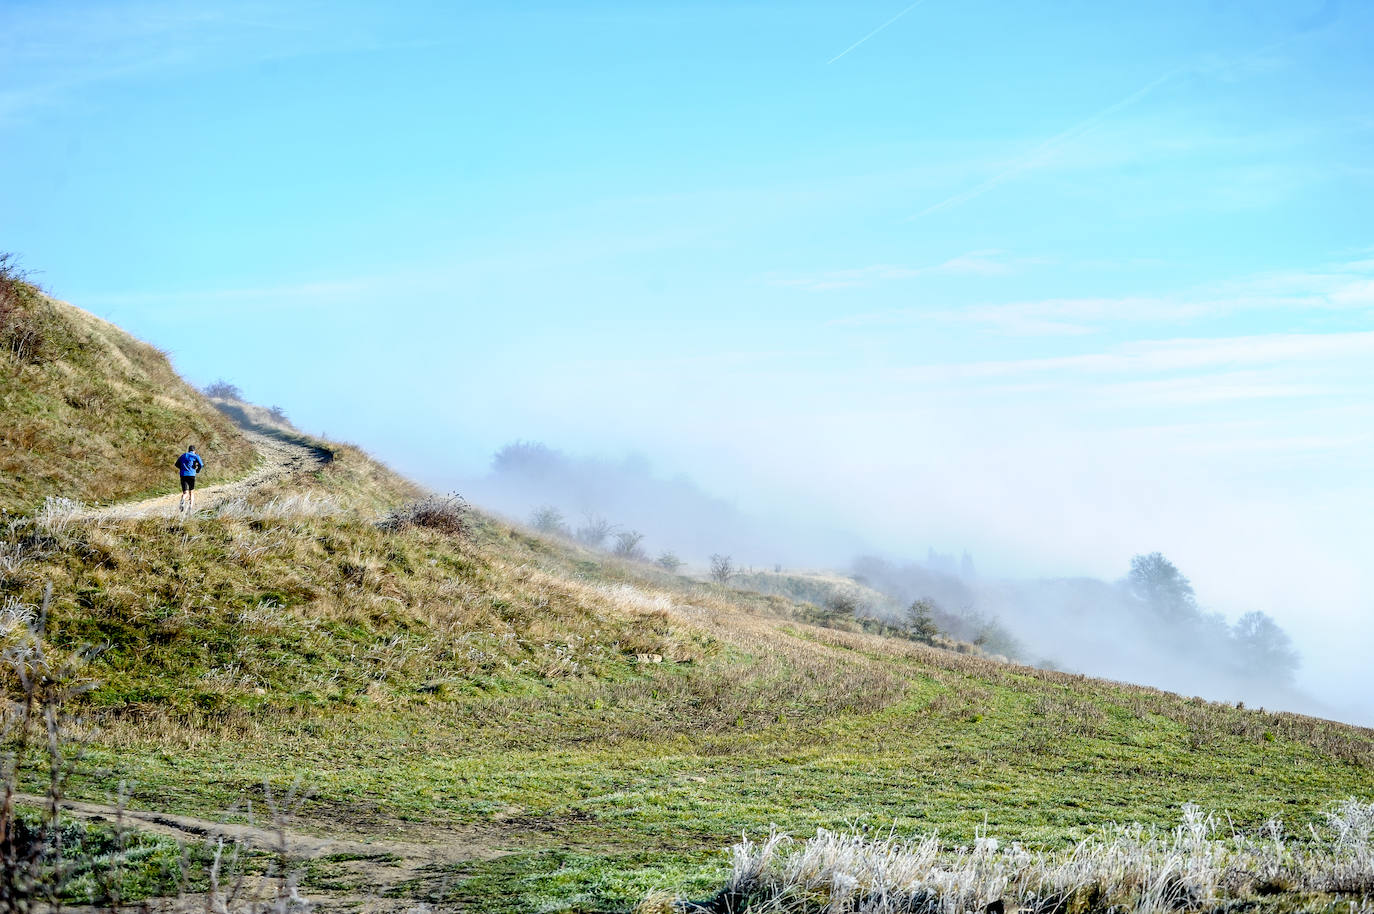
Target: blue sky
[1054, 283]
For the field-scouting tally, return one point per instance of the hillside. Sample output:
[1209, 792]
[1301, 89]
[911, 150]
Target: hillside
[561, 730]
[91, 413]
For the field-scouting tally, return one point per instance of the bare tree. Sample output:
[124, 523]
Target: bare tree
[223, 390]
[1263, 649]
[627, 544]
[722, 568]
[548, 519]
[594, 531]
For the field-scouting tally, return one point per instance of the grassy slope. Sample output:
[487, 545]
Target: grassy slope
[96, 415]
[612, 725]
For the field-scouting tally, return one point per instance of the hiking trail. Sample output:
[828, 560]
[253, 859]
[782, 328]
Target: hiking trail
[363, 871]
[282, 453]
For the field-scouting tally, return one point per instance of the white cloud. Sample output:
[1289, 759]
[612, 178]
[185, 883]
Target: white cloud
[1345, 287]
[1165, 355]
[989, 262]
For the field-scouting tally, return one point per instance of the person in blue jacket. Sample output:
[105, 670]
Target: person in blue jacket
[188, 465]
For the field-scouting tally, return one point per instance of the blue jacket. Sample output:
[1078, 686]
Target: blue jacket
[189, 463]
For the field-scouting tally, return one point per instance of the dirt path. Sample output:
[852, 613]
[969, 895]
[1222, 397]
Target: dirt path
[283, 455]
[347, 873]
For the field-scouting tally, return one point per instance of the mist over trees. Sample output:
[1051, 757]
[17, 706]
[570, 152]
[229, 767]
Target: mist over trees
[1146, 627]
[599, 498]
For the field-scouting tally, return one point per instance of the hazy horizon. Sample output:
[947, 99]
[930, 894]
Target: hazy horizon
[1058, 287]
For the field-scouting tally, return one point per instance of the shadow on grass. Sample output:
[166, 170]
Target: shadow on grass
[238, 414]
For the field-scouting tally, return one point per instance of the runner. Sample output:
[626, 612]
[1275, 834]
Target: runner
[188, 464]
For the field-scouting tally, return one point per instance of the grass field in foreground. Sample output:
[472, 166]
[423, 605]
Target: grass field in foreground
[612, 726]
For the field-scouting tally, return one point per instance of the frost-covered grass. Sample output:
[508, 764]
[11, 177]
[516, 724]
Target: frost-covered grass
[1197, 865]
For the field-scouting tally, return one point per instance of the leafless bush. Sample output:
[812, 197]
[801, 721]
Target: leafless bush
[627, 544]
[669, 562]
[594, 531]
[444, 513]
[548, 519]
[223, 390]
[722, 568]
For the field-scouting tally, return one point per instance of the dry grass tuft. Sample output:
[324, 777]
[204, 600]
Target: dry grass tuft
[443, 513]
[1126, 868]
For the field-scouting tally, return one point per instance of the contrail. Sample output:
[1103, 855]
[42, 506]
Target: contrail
[874, 32]
[1049, 145]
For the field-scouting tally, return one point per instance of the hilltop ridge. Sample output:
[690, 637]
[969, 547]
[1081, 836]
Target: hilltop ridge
[90, 412]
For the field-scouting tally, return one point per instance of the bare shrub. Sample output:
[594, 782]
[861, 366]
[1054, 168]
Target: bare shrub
[627, 545]
[548, 519]
[722, 568]
[223, 390]
[669, 562]
[594, 531]
[444, 513]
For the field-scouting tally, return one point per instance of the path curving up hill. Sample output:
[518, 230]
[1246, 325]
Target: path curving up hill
[282, 454]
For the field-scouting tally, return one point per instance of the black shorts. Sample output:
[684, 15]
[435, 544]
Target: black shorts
[188, 483]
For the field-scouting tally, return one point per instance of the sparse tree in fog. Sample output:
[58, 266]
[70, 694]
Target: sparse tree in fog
[1264, 649]
[1155, 581]
[722, 568]
[548, 519]
[594, 531]
[669, 562]
[842, 605]
[920, 620]
[627, 544]
[223, 390]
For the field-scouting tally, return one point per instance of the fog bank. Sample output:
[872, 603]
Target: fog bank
[1148, 626]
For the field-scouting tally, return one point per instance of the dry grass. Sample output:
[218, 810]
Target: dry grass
[92, 414]
[1132, 868]
[444, 513]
